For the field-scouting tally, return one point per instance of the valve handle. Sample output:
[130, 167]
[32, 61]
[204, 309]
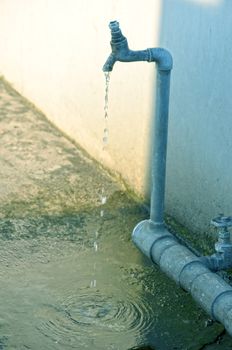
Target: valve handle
[222, 221]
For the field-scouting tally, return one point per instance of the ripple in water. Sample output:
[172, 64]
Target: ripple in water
[85, 318]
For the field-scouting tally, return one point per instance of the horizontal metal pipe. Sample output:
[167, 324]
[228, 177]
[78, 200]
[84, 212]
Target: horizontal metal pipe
[186, 269]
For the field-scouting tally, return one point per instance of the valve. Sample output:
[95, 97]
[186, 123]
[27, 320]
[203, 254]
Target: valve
[222, 223]
[222, 258]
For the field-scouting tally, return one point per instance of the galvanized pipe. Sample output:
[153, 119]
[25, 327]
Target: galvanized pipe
[159, 146]
[151, 236]
[163, 59]
[186, 269]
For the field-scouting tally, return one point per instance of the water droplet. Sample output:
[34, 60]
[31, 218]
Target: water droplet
[103, 200]
[95, 246]
[92, 283]
[105, 136]
[105, 140]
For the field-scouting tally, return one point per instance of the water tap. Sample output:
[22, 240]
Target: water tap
[120, 52]
[222, 259]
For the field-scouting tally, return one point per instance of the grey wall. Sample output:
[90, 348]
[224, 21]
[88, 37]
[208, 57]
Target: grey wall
[199, 174]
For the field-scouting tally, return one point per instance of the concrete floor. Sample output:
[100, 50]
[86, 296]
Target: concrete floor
[45, 176]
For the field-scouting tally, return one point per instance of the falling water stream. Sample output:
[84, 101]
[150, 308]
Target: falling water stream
[103, 194]
[70, 277]
[105, 138]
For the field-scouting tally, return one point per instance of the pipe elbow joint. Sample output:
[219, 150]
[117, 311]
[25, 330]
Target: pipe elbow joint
[146, 233]
[162, 57]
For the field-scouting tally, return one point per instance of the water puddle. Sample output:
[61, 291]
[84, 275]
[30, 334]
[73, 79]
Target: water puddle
[51, 306]
[47, 302]
[70, 278]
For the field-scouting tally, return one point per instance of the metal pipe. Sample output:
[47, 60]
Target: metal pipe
[186, 269]
[159, 147]
[151, 236]
[121, 52]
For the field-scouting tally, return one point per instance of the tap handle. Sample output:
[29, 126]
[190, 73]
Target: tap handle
[114, 26]
[116, 35]
[222, 221]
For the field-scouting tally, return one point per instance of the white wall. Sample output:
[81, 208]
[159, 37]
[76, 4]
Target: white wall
[53, 52]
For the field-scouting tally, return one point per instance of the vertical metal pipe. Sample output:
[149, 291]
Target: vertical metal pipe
[159, 148]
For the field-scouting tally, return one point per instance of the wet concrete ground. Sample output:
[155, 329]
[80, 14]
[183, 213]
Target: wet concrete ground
[49, 209]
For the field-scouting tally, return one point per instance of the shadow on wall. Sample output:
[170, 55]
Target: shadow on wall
[197, 33]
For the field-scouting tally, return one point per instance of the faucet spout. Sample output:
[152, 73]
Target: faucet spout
[121, 52]
[108, 66]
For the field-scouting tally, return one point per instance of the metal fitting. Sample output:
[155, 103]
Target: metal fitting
[122, 53]
[222, 259]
